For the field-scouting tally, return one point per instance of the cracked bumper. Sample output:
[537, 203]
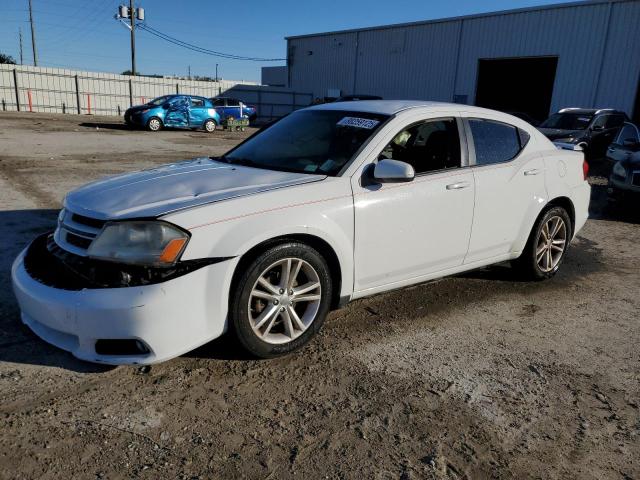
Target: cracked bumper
[171, 318]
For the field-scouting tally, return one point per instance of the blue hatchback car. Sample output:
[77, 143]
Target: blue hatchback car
[228, 107]
[177, 111]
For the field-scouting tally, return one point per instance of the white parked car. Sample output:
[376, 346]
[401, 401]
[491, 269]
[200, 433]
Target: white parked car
[332, 203]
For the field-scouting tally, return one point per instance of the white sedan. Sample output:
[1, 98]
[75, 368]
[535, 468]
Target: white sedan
[330, 204]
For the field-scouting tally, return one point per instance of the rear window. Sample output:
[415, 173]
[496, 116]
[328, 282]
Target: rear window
[496, 142]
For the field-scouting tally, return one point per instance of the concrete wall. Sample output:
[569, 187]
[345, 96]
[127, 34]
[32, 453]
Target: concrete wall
[56, 89]
[597, 43]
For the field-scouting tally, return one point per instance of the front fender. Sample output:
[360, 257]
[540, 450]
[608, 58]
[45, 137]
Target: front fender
[231, 228]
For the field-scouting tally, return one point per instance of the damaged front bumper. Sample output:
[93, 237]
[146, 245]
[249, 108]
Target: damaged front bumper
[140, 324]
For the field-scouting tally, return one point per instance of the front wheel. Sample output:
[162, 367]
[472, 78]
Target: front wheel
[154, 124]
[210, 125]
[547, 245]
[281, 300]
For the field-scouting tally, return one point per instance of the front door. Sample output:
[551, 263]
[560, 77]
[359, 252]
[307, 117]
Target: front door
[406, 231]
[177, 112]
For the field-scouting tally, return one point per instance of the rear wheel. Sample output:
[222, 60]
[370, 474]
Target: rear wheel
[154, 124]
[547, 245]
[281, 300]
[210, 125]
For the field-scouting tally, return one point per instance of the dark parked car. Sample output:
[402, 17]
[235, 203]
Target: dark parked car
[624, 153]
[353, 98]
[590, 128]
[228, 107]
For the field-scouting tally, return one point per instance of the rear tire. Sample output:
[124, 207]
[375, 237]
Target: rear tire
[280, 300]
[210, 126]
[547, 245]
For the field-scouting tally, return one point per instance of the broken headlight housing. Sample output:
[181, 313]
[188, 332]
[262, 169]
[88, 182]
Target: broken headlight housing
[149, 243]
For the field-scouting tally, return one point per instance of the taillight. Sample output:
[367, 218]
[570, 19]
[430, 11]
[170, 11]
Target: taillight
[585, 168]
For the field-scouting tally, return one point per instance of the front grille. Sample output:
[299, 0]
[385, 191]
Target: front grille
[635, 179]
[76, 232]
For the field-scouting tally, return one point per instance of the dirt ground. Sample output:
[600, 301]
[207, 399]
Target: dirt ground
[475, 376]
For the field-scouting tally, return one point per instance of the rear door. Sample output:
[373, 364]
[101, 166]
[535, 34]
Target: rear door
[509, 188]
[197, 111]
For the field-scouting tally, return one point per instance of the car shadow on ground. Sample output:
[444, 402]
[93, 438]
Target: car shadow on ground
[108, 126]
[18, 345]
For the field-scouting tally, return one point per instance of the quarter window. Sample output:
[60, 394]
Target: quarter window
[426, 146]
[496, 142]
[232, 102]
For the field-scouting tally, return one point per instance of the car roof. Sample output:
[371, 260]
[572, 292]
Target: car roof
[391, 107]
[589, 111]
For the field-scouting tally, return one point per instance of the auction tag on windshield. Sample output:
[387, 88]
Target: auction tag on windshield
[358, 122]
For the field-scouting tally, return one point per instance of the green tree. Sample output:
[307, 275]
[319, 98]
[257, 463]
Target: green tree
[7, 59]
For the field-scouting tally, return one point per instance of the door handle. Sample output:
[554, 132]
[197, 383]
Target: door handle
[533, 171]
[458, 186]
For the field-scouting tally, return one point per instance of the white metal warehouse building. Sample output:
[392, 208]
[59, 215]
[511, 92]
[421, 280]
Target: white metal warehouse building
[533, 60]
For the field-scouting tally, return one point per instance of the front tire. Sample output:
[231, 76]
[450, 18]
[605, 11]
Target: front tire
[547, 245]
[281, 300]
[154, 124]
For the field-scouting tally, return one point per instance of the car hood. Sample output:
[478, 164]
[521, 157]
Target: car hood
[554, 133]
[155, 192]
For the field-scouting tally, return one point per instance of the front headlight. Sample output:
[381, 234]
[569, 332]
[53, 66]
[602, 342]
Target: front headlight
[619, 170]
[152, 243]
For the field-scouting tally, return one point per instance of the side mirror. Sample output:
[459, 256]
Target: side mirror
[597, 128]
[630, 143]
[393, 171]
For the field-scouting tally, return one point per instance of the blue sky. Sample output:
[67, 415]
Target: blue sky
[83, 34]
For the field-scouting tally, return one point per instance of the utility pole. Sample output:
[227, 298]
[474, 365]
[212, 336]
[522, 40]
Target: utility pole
[216, 72]
[33, 36]
[189, 72]
[132, 16]
[21, 57]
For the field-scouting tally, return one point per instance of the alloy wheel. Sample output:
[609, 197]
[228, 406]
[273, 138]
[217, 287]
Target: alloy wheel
[210, 126]
[284, 301]
[551, 243]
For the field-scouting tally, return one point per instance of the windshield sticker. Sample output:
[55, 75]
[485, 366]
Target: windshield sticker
[358, 122]
[311, 168]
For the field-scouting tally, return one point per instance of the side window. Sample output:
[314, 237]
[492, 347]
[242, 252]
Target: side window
[614, 121]
[197, 102]
[232, 102]
[600, 121]
[426, 146]
[496, 142]
[628, 132]
[218, 102]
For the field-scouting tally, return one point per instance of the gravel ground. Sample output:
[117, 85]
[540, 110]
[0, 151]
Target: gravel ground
[475, 376]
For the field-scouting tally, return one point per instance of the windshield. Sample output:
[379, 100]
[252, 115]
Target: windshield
[159, 101]
[308, 141]
[567, 121]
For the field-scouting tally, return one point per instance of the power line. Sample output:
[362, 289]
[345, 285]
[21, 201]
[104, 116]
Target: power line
[199, 49]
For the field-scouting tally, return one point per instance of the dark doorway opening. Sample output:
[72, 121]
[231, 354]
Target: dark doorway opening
[517, 85]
